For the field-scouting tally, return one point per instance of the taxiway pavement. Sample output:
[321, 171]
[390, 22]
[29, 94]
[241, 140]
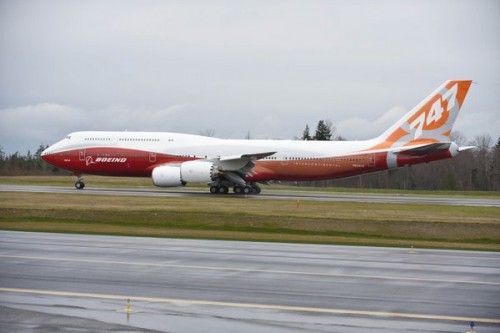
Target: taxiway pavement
[68, 282]
[267, 194]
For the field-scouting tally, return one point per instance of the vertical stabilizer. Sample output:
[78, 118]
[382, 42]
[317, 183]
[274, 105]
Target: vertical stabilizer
[429, 122]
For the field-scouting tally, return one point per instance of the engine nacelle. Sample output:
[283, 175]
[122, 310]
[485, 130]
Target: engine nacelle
[198, 172]
[167, 176]
[191, 171]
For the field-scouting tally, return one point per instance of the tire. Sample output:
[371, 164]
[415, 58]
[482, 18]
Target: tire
[247, 190]
[237, 189]
[79, 185]
[214, 189]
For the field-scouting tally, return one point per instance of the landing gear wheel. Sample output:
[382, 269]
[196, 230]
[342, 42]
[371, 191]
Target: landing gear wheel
[237, 189]
[223, 190]
[256, 189]
[247, 190]
[79, 185]
[214, 189]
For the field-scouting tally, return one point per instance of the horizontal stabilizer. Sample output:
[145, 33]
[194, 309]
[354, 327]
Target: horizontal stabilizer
[464, 148]
[425, 149]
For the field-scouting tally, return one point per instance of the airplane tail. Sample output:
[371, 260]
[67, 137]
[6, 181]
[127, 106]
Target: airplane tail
[429, 122]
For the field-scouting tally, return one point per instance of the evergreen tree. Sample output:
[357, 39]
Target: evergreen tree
[305, 135]
[2, 158]
[39, 163]
[495, 167]
[323, 131]
[40, 150]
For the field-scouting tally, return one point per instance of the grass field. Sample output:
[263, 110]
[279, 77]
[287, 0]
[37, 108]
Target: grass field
[238, 218]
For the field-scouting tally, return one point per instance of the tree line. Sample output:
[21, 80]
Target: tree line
[30, 164]
[325, 131]
[477, 169]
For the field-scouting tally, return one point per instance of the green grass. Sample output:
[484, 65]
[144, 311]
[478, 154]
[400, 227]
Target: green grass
[69, 181]
[218, 217]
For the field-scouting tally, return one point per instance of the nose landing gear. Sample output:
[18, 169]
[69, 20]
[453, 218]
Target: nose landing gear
[79, 183]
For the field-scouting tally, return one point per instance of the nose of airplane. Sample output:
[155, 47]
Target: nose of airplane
[45, 155]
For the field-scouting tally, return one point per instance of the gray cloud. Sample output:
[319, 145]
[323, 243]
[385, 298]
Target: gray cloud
[268, 67]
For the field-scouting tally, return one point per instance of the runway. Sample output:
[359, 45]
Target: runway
[81, 282]
[267, 194]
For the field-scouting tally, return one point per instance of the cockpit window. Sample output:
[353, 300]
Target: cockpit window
[68, 137]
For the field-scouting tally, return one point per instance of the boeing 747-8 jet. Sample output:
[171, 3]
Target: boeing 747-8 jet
[172, 159]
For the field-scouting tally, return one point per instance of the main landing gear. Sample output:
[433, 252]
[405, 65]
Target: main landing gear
[237, 189]
[219, 189]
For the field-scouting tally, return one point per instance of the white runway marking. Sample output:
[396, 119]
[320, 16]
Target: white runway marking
[252, 306]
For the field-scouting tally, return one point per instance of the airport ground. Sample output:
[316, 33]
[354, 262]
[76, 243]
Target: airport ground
[146, 183]
[326, 218]
[216, 283]
[66, 283]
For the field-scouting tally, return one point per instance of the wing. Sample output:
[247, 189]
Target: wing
[236, 167]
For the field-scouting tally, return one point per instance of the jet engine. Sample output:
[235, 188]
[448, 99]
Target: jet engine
[199, 171]
[187, 172]
[167, 176]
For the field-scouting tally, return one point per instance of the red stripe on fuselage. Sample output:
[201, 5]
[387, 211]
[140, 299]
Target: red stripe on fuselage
[333, 167]
[107, 161]
[114, 161]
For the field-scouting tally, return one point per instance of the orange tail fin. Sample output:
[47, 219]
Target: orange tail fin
[429, 122]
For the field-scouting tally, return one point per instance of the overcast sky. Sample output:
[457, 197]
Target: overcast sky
[266, 68]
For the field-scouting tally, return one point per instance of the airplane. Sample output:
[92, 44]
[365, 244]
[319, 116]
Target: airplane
[174, 159]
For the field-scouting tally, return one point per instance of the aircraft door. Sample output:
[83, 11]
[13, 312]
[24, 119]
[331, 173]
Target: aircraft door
[371, 160]
[152, 157]
[81, 155]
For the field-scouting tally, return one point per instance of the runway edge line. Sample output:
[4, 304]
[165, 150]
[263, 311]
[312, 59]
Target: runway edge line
[251, 305]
